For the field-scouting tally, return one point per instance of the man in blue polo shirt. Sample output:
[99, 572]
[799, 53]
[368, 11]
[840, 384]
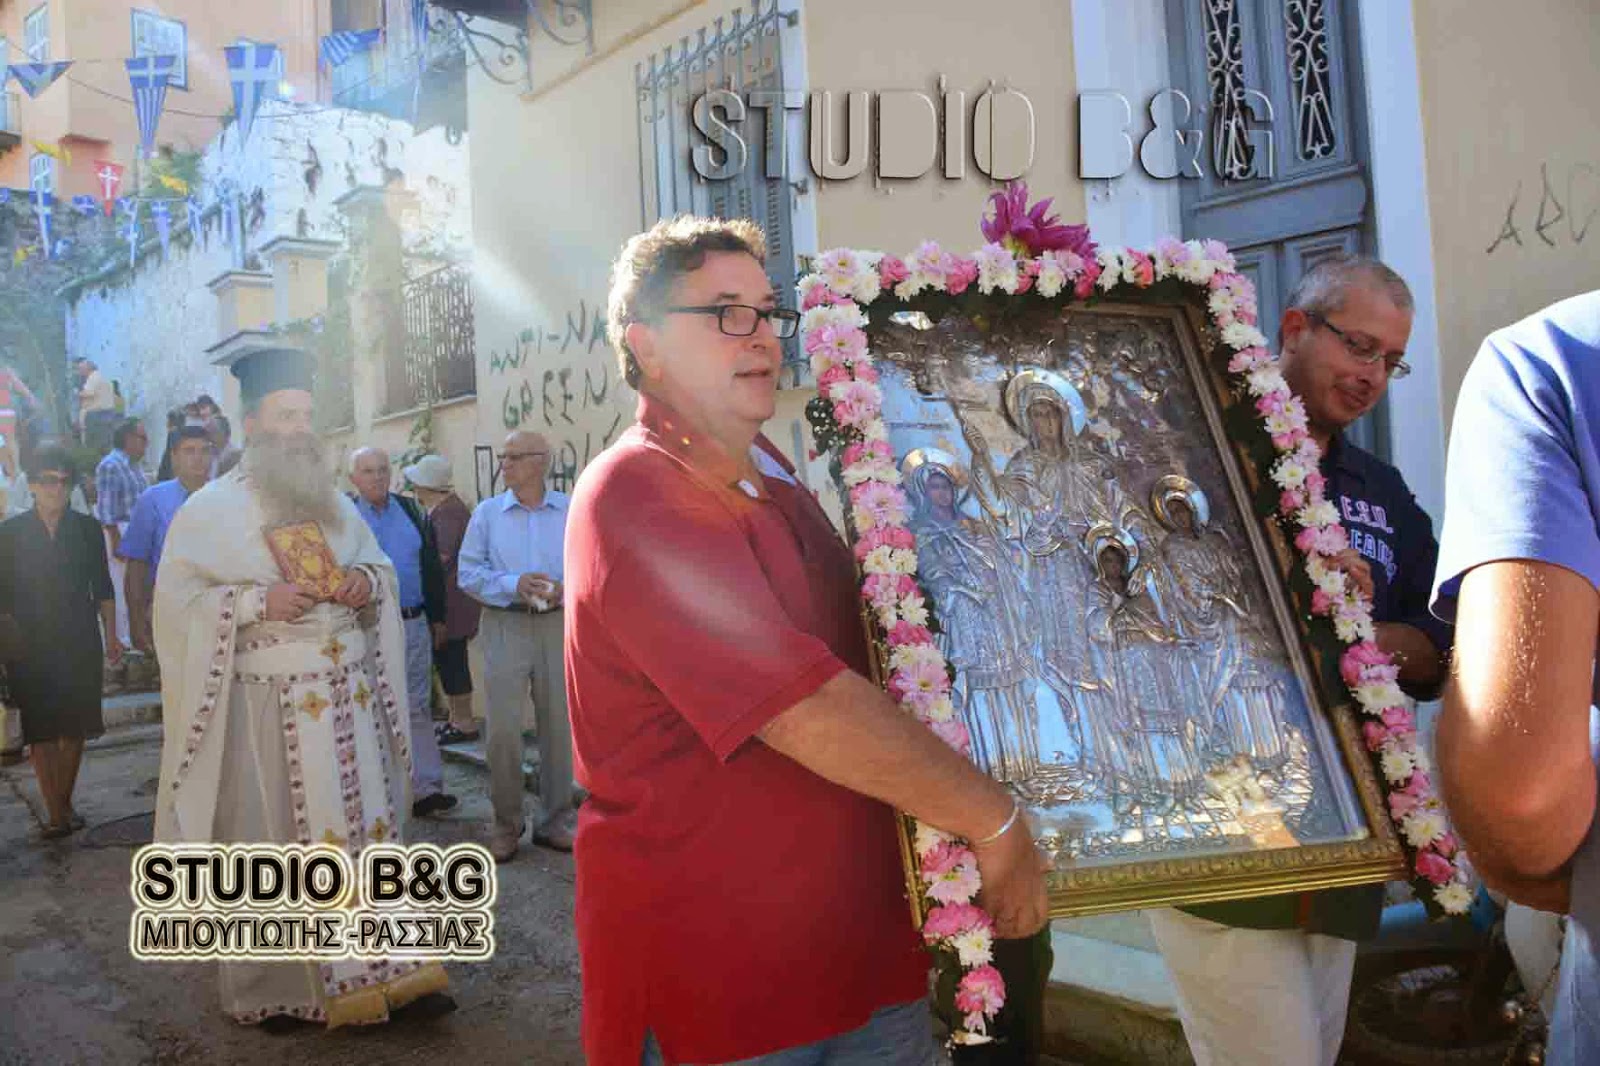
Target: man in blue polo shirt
[1518, 572]
[140, 546]
[1267, 982]
[406, 539]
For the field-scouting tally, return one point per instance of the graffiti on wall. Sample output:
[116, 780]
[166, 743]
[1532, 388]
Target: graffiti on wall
[559, 378]
[1566, 205]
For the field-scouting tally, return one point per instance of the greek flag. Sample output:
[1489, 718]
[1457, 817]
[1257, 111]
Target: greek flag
[35, 78]
[132, 232]
[86, 206]
[339, 48]
[253, 71]
[148, 76]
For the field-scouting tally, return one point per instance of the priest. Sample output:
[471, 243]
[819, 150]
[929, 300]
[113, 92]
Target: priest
[277, 625]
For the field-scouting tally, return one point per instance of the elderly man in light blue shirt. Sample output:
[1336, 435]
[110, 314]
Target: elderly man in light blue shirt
[511, 562]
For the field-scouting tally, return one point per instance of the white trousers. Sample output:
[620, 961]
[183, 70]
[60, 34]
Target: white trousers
[427, 766]
[119, 581]
[1256, 997]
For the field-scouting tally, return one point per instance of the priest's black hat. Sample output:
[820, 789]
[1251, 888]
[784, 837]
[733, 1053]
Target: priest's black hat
[267, 370]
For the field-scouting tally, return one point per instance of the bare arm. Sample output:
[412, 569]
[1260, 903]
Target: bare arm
[1513, 741]
[850, 733]
[136, 589]
[1413, 652]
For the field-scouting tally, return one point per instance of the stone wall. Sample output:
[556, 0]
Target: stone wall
[149, 327]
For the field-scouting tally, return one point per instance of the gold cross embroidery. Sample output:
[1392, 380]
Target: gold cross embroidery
[313, 704]
[363, 694]
[380, 831]
[333, 650]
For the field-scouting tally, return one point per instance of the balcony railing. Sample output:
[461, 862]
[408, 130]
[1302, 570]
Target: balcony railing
[439, 360]
[10, 121]
[427, 90]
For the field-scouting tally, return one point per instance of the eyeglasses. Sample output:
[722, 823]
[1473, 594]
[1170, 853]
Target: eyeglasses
[1365, 352]
[50, 481]
[740, 320]
[511, 457]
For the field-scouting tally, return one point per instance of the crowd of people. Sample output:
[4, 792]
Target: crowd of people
[688, 626]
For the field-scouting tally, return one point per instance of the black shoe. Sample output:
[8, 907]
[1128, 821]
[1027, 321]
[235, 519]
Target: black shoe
[285, 1025]
[433, 804]
[449, 734]
[425, 1008]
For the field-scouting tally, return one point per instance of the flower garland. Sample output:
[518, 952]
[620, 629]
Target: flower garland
[849, 410]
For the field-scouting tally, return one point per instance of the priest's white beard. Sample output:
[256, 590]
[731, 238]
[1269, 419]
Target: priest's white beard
[290, 472]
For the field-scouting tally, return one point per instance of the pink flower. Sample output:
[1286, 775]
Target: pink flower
[951, 873]
[1357, 658]
[1273, 403]
[906, 633]
[864, 451]
[1030, 230]
[1329, 540]
[953, 919]
[1144, 271]
[834, 375]
[1447, 845]
[887, 590]
[1402, 803]
[818, 296]
[954, 733]
[982, 992]
[1434, 867]
[962, 273]
[925, 677]
[1399, 718]
[1290, 502]
[1321, 602]
[1420, 785]
[885, 504]
[892, 271]
[1285, 441]
[1218, 253]
[1086, 281]
[1316, 484]
[1376, 735]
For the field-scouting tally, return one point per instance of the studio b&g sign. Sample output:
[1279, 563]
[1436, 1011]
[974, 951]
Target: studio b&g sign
[906, 134]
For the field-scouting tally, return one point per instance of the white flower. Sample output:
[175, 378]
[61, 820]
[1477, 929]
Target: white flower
[865, 287]
[1377, 697]
[975, 947]
[877, 560]
[1289, 473]
[875, 430]
[846, 315]
[1111, 265]
[1422, 827]
[1239, 336]
[1316, 515]
[926, 838]
[915, 282]
[1353, 630]
[997, 268]
[1397, 765]
[941, 710]
[914, 609]
[1453, 898]
[1324, 577]
[1052, 279]
[1197, 270]
[1263, 381]
[808, 285]
[907, 656]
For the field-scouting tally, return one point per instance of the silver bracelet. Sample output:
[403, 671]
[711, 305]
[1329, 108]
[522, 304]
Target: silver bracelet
[1016, 812]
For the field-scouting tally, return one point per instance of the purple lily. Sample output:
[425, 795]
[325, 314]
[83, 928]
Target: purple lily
[1030, 230]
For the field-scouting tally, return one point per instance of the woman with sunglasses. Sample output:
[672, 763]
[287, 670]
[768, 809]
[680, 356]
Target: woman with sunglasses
[55, 597]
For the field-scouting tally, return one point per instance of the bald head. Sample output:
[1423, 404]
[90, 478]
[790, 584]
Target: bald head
[369, 473]
[524, 461]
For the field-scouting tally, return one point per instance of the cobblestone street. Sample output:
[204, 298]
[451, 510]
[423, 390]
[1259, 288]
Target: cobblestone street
[74, 995]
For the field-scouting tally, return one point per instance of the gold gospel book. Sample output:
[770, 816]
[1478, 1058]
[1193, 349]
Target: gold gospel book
[305, 559]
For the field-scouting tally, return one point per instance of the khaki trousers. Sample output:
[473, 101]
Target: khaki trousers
[1256, 997]
[523, 651]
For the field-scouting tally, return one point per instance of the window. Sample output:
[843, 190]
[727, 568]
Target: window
[743, 57]
[154, 35]
[42, 173]
[36, 34]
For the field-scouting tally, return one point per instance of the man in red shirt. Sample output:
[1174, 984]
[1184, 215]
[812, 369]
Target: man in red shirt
[739, 886]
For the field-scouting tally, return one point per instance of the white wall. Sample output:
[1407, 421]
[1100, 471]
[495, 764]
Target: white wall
[149, 328]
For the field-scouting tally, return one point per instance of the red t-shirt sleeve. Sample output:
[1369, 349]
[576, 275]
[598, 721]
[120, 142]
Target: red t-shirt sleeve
[686, 599]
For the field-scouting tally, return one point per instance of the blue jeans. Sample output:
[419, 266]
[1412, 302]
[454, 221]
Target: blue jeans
[893, 1036]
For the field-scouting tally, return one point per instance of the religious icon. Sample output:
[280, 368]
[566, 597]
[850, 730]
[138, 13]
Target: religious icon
[305, 559]
[1125, 657]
